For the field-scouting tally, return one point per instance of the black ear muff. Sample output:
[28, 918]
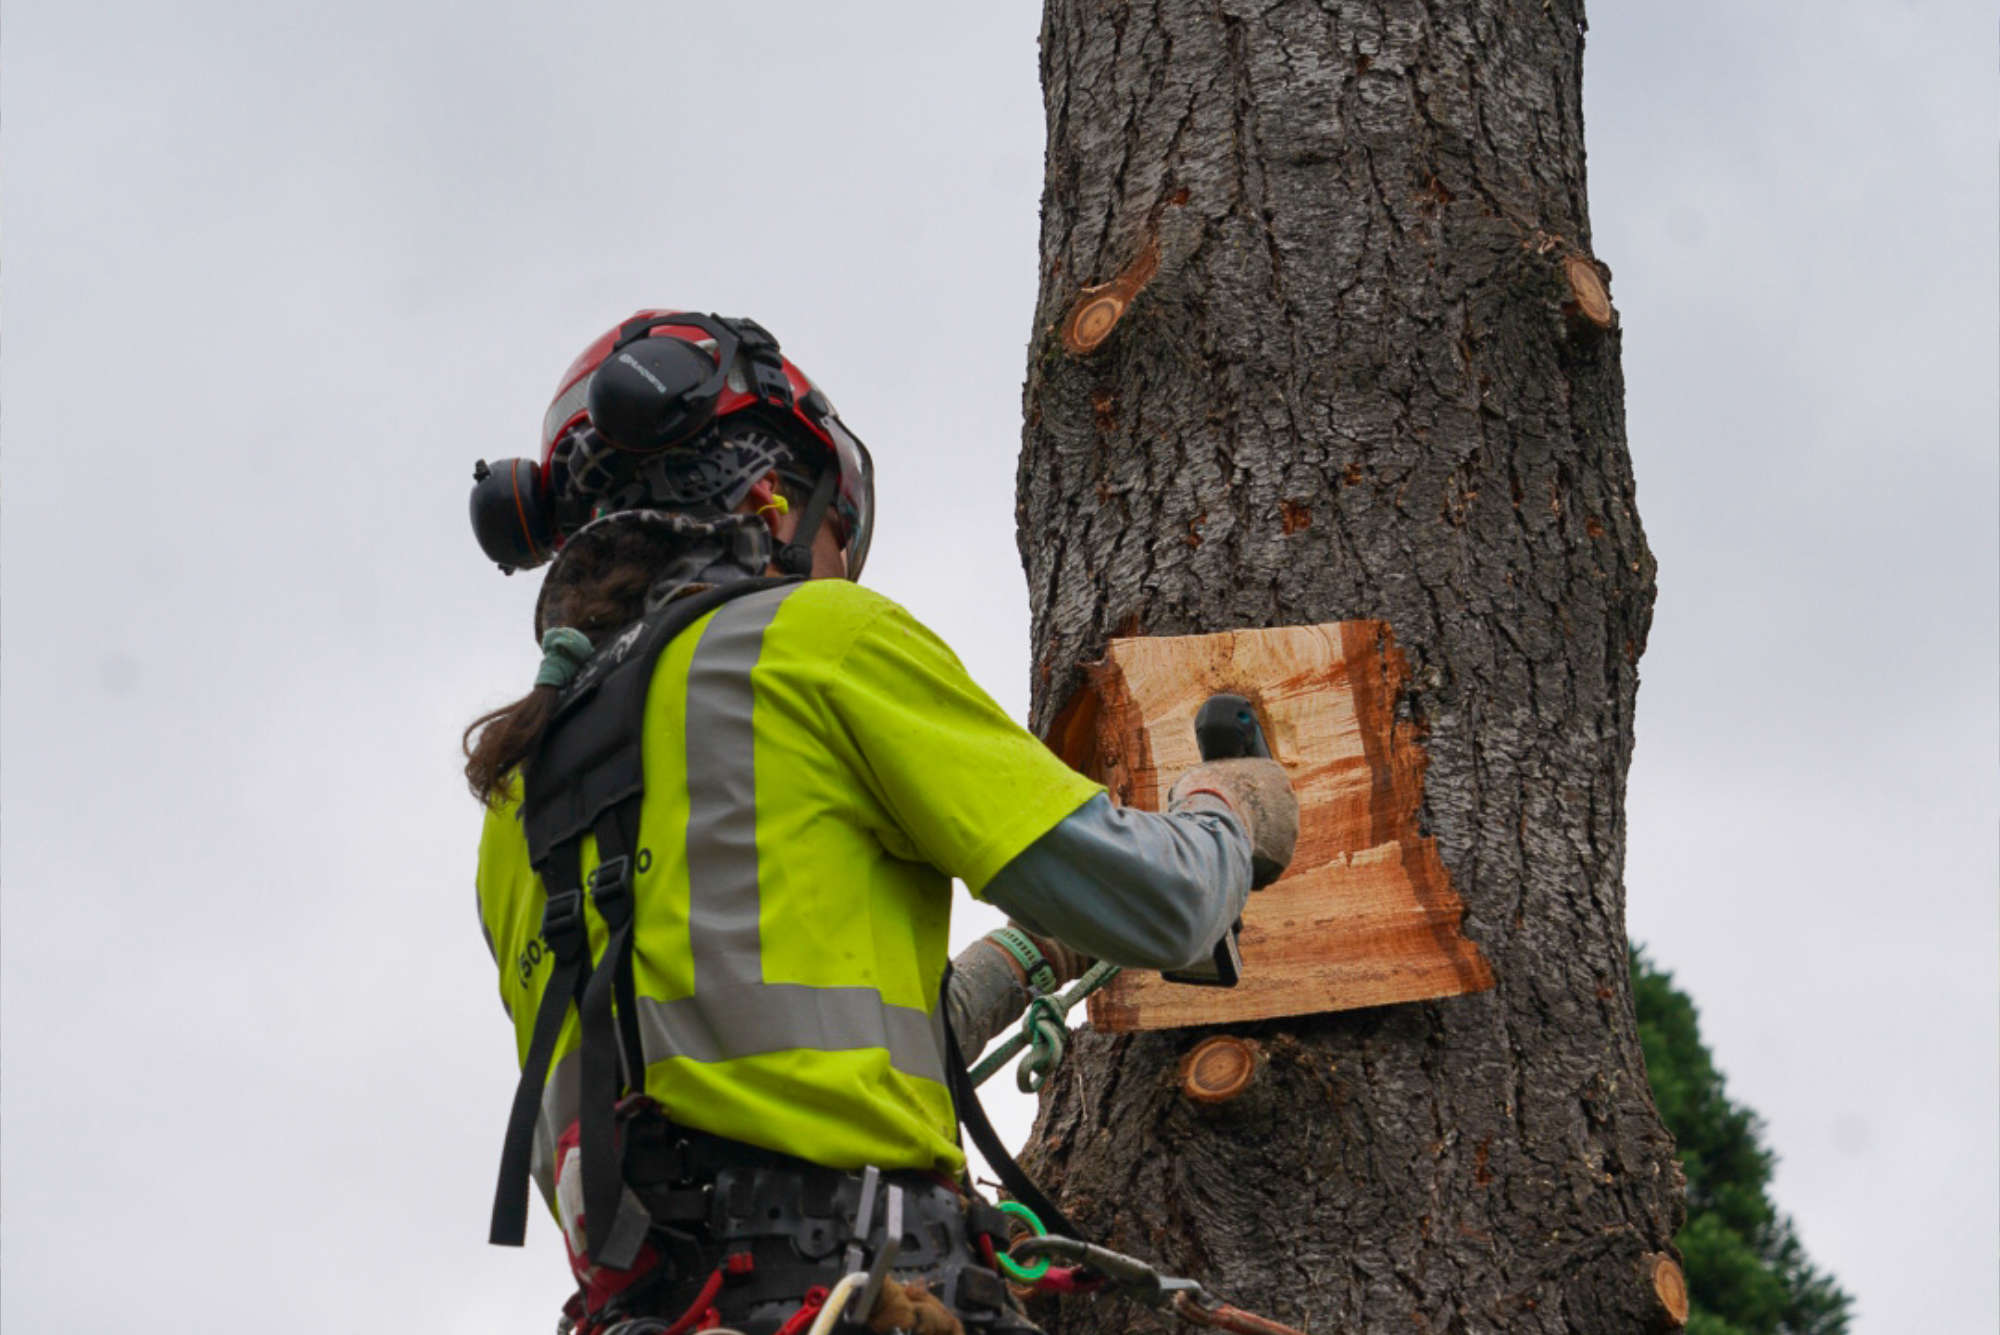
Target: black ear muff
[654, 393]
[512, 513]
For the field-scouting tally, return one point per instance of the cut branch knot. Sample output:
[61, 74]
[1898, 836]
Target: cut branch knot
[1099, 309]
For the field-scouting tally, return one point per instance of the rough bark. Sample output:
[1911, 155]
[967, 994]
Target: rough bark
[1317, 341]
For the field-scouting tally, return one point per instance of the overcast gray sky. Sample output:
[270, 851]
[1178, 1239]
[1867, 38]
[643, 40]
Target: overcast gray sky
[276, 274]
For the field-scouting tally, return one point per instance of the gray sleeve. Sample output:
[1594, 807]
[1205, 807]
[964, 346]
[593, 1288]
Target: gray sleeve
[984, 997]
[1137, 888]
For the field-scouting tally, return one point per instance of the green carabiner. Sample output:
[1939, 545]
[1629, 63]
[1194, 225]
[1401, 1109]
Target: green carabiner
[1024, 1274]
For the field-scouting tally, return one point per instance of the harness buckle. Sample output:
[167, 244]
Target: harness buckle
[611, 889]
[562, 921]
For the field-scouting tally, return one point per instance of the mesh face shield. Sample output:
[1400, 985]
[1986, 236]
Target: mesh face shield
[714, 471]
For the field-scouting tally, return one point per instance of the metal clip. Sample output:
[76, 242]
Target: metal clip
[1127, 1276]
[864, 1215]
[863, 1305]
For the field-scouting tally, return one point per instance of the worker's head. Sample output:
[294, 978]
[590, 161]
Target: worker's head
[679, 449]
[695, 416]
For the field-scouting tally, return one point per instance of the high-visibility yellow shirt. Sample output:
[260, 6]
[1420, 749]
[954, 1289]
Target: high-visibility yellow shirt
[818, 767]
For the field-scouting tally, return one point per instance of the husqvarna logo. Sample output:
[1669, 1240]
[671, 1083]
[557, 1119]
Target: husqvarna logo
[651, 379]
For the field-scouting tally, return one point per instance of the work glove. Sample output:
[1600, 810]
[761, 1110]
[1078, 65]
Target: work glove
[989, 989]
[1260, 794]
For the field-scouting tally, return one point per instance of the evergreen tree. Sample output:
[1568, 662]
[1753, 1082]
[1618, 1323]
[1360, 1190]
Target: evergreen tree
[1319, 336]
[1747, 1273]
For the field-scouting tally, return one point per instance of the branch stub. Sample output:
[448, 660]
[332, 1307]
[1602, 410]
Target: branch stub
[1220, 1068]
[1669, 1286]
[1096, 316]
[1586, 286]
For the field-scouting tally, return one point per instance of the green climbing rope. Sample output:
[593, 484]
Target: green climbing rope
[1044, 1030]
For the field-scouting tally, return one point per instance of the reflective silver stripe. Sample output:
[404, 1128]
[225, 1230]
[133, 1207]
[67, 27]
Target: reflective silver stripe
[722, 794]
[937, 1041]
[747, 1020]
[562, 1099]
[567, 405]
[574, 399]
[733, 1012]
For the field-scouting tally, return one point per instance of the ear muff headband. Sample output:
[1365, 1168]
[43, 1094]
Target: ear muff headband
[649, 395]
[703, 395]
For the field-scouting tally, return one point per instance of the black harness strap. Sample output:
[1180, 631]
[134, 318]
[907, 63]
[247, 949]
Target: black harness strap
[623, 834]
[587, 775]
[965, 1099]
[569, 944]
[612, 1060]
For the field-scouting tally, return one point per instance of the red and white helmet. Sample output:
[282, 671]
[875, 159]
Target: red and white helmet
[681, 412]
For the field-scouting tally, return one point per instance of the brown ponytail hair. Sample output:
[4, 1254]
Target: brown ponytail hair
[599, 588]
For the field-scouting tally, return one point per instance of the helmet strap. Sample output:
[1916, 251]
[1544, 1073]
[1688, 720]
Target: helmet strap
[766, 366]
[796, 557]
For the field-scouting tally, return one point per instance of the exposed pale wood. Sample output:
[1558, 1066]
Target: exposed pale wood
[1220, 1068]
[1366, 915]
[1586, 285]
[1669, 1287]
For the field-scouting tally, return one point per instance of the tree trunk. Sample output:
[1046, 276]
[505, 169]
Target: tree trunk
[1320, 338]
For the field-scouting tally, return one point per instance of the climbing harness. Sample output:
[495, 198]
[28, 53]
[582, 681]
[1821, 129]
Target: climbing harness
[753, 1234]
[587, 778]
[761, 1242]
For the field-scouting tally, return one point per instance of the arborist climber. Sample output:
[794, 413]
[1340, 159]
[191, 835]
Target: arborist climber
[720, 837]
